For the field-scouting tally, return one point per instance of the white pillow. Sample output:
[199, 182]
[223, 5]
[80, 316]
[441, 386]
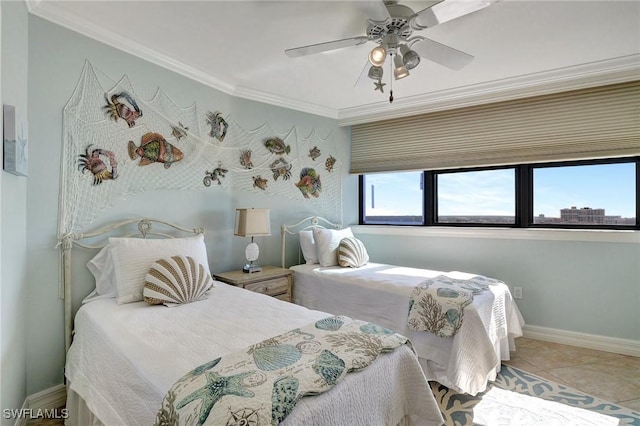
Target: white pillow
[308, 246]
[327, 241]
[101, 266]
[133, 257]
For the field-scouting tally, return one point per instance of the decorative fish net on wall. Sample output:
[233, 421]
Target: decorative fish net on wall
[115, 145]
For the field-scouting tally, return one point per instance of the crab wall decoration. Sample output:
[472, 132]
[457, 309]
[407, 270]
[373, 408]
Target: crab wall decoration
[91, 161]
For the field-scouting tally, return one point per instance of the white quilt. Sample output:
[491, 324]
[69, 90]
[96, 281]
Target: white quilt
[380, 294]
[124, 358]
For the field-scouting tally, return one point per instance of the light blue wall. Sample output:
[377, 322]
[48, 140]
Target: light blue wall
[13, 296]
[56, 58]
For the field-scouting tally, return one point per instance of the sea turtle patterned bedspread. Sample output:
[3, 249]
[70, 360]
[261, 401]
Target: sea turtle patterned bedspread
[437, 304]
[261, 384]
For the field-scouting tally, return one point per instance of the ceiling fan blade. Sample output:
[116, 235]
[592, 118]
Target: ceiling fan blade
[323, 47]
[447, 11]
[442, 54]
[373, 9]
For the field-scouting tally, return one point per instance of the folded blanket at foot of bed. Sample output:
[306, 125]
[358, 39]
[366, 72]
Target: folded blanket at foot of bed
[437, 304]
[262, 383]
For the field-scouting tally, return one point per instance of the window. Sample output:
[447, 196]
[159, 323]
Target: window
[594, 194]
[392, 198]
[483, 196]
[601, 194]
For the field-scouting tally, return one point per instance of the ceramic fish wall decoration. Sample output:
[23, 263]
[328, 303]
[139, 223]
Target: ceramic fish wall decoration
[155, 149]
[309, 183]
[128, 112]
[277, 146]
[92, 162]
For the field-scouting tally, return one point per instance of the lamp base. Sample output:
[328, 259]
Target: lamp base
[251, 268]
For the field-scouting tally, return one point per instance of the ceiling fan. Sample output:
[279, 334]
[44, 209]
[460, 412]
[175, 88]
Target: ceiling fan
[392, 26]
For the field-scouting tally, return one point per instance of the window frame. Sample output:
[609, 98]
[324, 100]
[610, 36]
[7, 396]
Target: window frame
[523, 196]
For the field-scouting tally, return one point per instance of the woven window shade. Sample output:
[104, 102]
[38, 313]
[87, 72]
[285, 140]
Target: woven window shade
[597, 122]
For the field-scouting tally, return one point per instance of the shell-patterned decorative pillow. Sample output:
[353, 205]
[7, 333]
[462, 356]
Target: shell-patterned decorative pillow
[352, 253]
[176, 280]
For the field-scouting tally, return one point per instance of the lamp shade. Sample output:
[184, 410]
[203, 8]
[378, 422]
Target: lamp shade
[252, 223]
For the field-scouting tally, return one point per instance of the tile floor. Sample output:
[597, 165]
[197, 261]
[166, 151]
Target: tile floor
[612, 377]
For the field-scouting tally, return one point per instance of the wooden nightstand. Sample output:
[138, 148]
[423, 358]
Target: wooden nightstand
[272, 281]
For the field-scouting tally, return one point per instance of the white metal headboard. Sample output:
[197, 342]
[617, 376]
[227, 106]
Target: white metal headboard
[145, 229]
[306, 223]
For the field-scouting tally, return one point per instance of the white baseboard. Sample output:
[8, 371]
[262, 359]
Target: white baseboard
[583, 340]
[48, 399]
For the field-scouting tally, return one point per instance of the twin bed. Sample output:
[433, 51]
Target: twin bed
[127, 357]
[381, 293]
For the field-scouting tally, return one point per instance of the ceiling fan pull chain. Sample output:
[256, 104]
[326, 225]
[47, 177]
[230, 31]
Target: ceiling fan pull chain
[390, 79]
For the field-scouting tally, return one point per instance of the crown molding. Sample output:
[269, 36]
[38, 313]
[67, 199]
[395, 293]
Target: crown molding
[77, 24]
[617, 70]
[569, 78]
[294, 104]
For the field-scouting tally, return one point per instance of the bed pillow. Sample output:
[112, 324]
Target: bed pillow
[327, 242]
[133, 257]
[176, 280]
[308, 247]
[352, 253]
[101, 267]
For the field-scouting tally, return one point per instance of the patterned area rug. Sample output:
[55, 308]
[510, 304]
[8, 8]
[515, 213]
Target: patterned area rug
[520, 398]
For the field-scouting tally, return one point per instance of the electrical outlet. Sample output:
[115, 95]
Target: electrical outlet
[517, 292]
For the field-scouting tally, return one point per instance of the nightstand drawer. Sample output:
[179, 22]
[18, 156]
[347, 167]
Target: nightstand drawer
[271, 287]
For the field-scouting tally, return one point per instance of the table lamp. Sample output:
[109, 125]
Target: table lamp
[252, 223]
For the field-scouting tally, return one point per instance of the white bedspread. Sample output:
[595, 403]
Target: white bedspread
[380, 294]
[124, 358]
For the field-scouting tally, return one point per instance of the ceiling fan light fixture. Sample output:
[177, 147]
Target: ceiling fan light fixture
[377, 55]
[375, 73]
[400, 71]
[410, 58]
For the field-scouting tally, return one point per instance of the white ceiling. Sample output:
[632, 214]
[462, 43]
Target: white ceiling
[521, 48]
